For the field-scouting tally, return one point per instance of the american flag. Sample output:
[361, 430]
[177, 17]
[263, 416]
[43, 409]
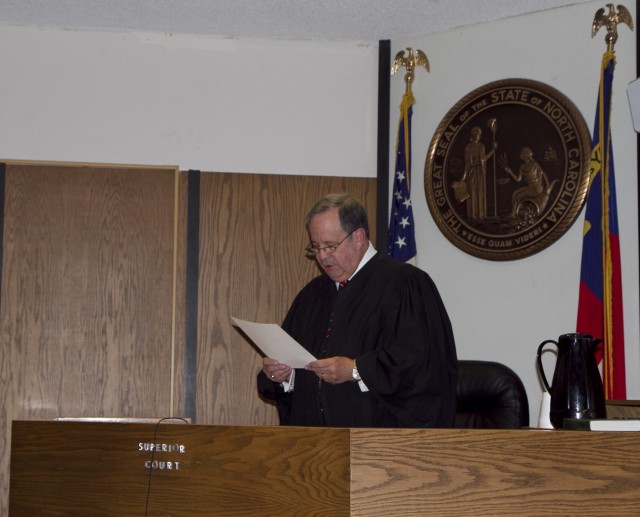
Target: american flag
[401, 238]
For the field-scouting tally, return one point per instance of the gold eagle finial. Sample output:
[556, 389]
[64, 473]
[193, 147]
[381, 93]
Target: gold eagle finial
[410, 62]
[611, 20]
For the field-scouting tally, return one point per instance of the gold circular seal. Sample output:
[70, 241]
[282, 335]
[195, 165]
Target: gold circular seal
[507, 170]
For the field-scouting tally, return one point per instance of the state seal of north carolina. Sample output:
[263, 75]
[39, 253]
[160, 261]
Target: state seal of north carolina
[507, 170]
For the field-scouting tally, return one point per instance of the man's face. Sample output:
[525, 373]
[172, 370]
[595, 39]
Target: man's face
[325, 230]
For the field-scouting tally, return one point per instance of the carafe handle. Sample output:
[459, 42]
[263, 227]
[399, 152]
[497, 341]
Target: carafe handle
[539, 363]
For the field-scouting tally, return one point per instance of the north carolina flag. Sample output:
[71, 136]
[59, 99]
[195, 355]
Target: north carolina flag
[600, 298]
[401, 237]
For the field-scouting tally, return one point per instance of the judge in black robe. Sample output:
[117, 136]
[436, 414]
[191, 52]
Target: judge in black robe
[389, 318]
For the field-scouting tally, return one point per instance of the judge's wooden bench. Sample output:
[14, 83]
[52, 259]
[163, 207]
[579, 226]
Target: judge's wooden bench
[136, 469]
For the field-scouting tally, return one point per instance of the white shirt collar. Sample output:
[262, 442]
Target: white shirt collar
[371, 251]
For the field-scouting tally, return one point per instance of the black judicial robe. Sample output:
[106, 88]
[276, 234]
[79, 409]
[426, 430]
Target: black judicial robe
[391, 319]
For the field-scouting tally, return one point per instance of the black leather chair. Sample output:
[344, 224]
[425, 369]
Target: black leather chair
[490, 395]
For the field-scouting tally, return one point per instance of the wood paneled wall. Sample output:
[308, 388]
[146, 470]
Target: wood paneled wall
[93, 293]
[252, 264]
[87, 281]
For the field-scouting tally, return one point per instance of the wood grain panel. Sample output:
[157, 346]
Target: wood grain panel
[98, 470]
[623, 408]
[177, 405]
[87, 285]
[101, 469]
[494, 473]
[86, 309]
[252, 264]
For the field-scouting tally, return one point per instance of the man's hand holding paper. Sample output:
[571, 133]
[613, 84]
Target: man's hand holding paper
[275, 343]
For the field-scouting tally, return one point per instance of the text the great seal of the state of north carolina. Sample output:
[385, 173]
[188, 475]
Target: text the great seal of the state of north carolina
[507, 170]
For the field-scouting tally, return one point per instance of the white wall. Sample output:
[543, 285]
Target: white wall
[310, 108]
[503, 310]
[198, 102]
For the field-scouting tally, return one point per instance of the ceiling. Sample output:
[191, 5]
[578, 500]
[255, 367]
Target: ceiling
[362, 20]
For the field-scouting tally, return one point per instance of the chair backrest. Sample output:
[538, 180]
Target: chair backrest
[490, 395]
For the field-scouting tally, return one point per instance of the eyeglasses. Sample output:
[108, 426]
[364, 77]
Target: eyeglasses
[312, 250]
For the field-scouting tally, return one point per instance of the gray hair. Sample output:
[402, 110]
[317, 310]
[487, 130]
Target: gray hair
[350, 211]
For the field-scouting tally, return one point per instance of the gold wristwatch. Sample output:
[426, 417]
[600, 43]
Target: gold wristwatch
[355, 376]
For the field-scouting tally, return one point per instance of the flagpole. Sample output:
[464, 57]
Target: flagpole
[608, 57]
[600, 298]
[410, 62]
[401, 243]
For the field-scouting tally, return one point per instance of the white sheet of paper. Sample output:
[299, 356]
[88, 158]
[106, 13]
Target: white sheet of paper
[275, 343]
